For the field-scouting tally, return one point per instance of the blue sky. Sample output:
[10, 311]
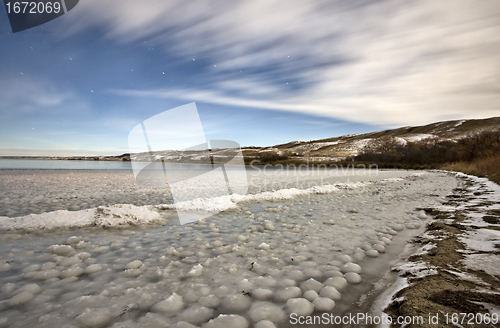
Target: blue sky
[260, 72]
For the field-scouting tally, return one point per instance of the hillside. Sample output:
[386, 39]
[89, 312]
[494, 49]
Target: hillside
[338, 148]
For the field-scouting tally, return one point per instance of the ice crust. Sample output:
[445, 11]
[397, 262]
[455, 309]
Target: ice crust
[252, 265]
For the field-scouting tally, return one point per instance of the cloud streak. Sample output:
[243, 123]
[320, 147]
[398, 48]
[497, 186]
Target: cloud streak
[385, 62]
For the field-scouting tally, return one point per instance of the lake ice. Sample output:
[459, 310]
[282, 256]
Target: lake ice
[295, 243]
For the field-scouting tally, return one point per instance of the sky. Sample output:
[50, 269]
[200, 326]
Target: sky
[260, 72]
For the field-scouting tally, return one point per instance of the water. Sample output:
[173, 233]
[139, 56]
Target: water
[43, 164]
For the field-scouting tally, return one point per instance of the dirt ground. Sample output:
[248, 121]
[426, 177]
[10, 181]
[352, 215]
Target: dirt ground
[455, 288]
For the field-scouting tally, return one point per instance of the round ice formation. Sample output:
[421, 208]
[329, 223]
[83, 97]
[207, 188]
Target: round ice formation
[94, 317]
[227, 321]
[32, 268]
[262, 293]
[350, 267]
[358, 256]
[310, 295]
[210, 301]
[266, 311]
[288, 293]
[352, 278]
[245, 286]
[93, 268]
[264, 324]
[21, 298]
[344, 258]
[195, 271]
[330, 292]
[397, 227]
[74, 240]
[386, 240]
[238, 302]
[69, 261]
[296, 275]
[8, 288]
[323, 304]
[299, 306]
[32, 288]
[183, 324]
[421, 215]
[311, 284]
[265, 282]
[83, 255]
[134, 264]
[264, 246]
[60, 249]
[45, 275]
[288, 282]
[268, 225]
[379, 248]
[71, 272]
[196, 314]
[169, 307]
[337, 282]
[366, 247]
[132, 273]
[48, 266]
[372, 253]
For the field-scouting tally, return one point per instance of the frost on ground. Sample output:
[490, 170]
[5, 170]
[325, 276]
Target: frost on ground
[456, 266]
[251, 266]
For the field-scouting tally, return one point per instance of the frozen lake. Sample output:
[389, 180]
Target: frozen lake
[298, 242]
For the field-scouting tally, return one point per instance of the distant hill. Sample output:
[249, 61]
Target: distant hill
[338, 148]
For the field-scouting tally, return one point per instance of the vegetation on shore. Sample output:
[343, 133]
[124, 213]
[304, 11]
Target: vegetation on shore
[477, 154]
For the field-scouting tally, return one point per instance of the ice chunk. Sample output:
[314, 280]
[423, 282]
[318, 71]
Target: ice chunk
[372, 253]
[265, 324]
[48, 266]
[32, 288]
[345, 258]
[169, 307]
[93, 268]
[421, 215]
[352, 278]
[323, 304]
[379, 248]
[310, 295]
[21, 298]
[195, 271]
[299, 306]
[236, 303]
[183, 324]
[266, 311]
[227, 321]
[60, 249]
[262, 294]
[45, 275]
[330, 292]
[134, 264]
[94, 317]
[32, 268]
[337, 282]
[350, 267]
[311, 284]
[196, 314]
[210, 301]
[288, 293]
[245, 286]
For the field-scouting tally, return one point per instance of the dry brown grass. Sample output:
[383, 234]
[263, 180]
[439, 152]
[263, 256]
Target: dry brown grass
[486, 167]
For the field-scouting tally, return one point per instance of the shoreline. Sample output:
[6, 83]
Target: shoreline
[438, 282]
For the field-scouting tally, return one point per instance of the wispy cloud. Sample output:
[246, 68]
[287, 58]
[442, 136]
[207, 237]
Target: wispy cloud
[384, 62]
